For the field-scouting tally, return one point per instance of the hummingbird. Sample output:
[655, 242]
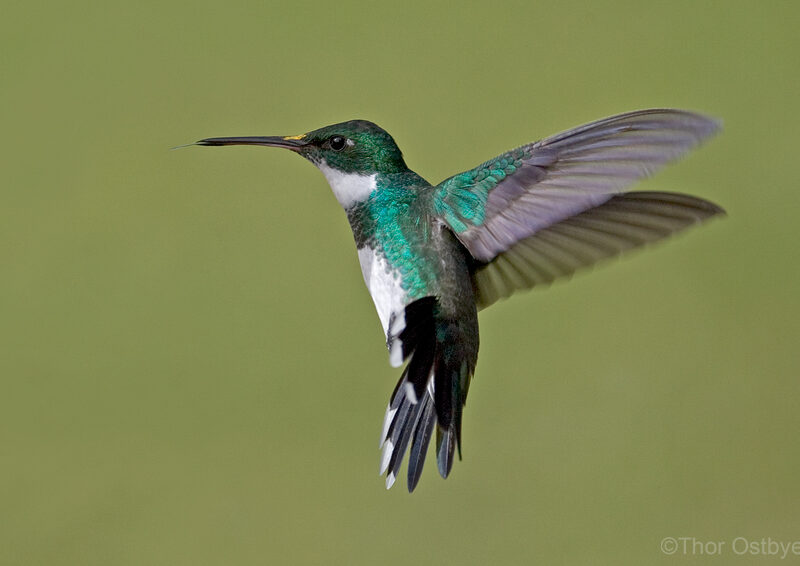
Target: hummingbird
[432, 256]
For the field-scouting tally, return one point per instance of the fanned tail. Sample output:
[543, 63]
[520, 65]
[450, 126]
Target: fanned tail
[431, 391]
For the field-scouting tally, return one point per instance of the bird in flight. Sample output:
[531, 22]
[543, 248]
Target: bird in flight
[432, 256]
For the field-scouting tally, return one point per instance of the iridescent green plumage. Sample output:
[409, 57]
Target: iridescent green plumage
[461, 199]
[395, 221]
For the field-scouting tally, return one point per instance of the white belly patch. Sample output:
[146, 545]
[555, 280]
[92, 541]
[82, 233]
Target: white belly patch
[387, 294]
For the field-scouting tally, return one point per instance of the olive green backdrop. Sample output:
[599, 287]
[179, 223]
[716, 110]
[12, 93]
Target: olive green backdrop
[191, 369]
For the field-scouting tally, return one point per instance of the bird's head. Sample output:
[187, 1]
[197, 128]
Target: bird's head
[357, 147]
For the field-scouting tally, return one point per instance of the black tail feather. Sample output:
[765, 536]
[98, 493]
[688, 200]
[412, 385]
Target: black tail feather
[430, 392]
[419, 446]
[445, 446]
[410, 421]
[417, 338]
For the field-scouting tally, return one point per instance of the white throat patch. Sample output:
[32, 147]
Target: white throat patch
[349, 188]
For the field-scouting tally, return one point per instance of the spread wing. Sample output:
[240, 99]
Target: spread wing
[621, 223]
[525, 190]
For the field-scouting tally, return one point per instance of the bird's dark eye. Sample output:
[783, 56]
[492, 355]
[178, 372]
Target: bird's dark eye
[337, 143]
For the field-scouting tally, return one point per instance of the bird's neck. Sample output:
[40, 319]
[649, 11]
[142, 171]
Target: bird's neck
[392, 210]
[349, 188]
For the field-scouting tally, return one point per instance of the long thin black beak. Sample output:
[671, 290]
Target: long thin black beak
[290, 142]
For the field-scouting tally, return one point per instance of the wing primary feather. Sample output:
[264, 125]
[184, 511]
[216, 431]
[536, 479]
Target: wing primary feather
[623, 222]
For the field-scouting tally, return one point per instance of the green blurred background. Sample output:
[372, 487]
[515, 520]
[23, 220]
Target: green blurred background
[193, 372]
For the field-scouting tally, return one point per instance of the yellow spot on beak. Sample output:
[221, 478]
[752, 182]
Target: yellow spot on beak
[301, 136]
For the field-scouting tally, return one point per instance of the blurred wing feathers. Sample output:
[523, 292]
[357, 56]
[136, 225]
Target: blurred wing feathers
[509, 198]
[623, 222]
